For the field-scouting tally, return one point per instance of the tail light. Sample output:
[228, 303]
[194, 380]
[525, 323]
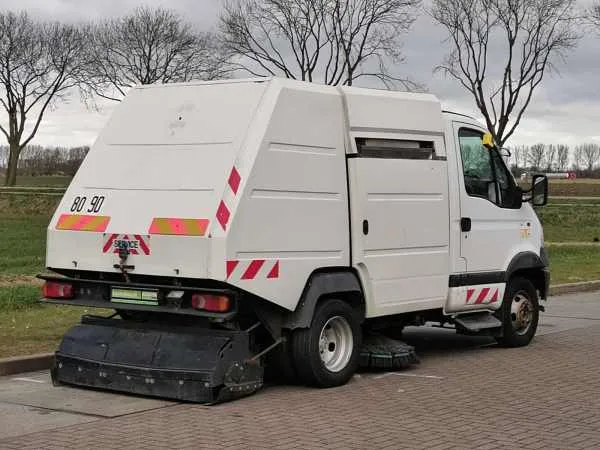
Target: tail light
[57, 290]
[213, 303]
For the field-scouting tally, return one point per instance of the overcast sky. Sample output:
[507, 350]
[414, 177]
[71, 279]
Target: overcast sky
[565, 109]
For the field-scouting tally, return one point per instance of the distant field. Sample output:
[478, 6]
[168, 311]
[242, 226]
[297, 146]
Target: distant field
[52, 181]
[583, 187]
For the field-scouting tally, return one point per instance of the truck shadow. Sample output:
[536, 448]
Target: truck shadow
[429, 341]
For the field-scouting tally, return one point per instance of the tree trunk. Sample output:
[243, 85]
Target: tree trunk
[13, 162]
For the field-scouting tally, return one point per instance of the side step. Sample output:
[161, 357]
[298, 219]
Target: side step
[203, 366]
[380, 352]
[477, 322]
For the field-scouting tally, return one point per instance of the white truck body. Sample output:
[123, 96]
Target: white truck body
[260, 183]
[268, 224]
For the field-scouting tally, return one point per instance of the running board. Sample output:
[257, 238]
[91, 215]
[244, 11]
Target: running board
[477, 322]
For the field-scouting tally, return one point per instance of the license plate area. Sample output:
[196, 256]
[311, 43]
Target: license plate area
[148, 297]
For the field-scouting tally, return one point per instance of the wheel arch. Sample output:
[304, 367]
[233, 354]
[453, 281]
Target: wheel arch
[341, 283]
[532, 267]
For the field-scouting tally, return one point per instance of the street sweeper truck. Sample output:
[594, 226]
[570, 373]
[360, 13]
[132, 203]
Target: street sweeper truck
[242, 225]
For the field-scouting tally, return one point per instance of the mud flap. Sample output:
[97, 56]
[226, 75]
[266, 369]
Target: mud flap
[203, 366]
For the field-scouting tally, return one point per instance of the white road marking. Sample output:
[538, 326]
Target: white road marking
[434, 377]
[30, 380]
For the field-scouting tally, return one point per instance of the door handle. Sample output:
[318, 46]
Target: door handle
[465, 224]
[365, 227]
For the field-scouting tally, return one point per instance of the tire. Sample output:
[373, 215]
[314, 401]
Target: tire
[280, 366]
[519, 313]
[327, 354]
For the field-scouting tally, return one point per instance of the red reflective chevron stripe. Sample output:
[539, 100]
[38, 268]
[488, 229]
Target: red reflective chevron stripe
[231, 265]
[109, 243]
[143, 246]
[234, 180]
[469, 294]
[223, 215]
[274, 273]
[253, 269]
[482, 295]
[495, 296]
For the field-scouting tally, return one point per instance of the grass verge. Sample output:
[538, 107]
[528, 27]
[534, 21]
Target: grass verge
[28, 327]
[572, 264]
[570, 222]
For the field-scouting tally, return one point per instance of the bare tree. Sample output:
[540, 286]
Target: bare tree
[551, 153]
[516, 152]
[587, 156]
[594, 14]
[578, 158]
[525, 156]
[369, 29]
[3, 156]
[536, 156]
[501, 51]
[39, 63]
[562, 159]
[332, 41]
[150, 46]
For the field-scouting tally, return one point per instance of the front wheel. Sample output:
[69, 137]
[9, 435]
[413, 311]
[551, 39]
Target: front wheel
[519, 313]
[327, 353]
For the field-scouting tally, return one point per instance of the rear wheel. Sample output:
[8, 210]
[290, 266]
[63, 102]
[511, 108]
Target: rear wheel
[327, 353]
[519, 313]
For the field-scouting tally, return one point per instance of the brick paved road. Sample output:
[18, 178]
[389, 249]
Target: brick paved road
[546, 395]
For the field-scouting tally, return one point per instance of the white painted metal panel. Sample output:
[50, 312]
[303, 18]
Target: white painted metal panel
[294, 206]
[183, 114]
[388, 111]
[175, 256]
[405, 255]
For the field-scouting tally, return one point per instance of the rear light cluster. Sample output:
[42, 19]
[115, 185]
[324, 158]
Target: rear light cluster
[58, 290]
[212, 303]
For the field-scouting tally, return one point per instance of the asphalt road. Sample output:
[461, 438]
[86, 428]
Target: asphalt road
[466, 393]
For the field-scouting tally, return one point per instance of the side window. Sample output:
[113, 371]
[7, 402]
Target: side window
[506, 184]
[477, 166]
[395, 148]
[484, 171]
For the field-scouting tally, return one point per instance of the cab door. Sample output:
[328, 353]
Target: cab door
[491, 213]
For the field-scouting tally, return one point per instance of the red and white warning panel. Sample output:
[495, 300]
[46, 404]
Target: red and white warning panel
[252, 270]
[476, 297]
[135, 244]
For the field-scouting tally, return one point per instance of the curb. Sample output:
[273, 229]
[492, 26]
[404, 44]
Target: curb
[573, 288]
[30, 363]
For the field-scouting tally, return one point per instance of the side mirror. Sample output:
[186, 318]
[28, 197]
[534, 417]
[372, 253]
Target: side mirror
[539, 190]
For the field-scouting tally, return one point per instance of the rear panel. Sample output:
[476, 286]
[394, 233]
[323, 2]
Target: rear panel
[153, 181]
